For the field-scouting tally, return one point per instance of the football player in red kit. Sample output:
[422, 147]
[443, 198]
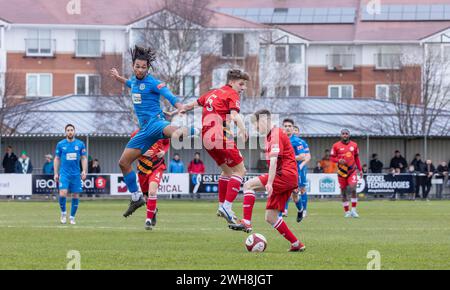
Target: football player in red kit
[220, 108]
[279, 183]
[151, 167]
[346, 154]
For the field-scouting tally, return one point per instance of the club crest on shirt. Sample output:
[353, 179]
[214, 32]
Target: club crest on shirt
[352, 148]
[142, 87]
[76, 147]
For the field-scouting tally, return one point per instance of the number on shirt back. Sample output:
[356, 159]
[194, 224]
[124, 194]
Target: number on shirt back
[209, 102]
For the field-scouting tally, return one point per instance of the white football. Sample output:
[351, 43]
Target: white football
[256, 243]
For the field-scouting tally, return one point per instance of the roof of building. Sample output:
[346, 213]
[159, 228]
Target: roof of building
[316, 116]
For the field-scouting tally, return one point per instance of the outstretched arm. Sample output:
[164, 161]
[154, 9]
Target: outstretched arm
[115, 75]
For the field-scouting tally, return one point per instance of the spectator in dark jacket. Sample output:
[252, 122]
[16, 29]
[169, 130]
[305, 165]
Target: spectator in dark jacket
[48, 165]
[94, 167]
[430, 170]
[318, 168]
[398, 161]
[375, 166]
[9, 161]
[419, 169]
[23, 164]
[442, 176]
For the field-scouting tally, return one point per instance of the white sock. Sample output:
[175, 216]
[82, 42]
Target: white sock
[227, 205]
[135, 196]
[64, 213]
[220, 204]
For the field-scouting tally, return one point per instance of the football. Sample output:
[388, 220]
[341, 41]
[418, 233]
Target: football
[256, 243]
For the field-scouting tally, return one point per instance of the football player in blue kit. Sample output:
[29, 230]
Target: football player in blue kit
[146, 92]
[67, 171]
[303, 156]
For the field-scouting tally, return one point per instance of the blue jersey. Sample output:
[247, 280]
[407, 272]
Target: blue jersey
[300, 147]
[70, 154]
[146, 96]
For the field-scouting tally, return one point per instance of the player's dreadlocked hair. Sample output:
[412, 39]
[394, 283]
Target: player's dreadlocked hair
[236, 74]
[143, 53]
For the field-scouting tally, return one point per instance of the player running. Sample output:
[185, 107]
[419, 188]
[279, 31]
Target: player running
[146, 92]
[303, 156]
[346, 154]
[279, 183]
[67, 171]
[151, 167]
[220, 107]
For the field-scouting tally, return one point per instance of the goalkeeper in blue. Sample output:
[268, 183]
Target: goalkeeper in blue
[146, 92]
[68, 154]
[303, 156]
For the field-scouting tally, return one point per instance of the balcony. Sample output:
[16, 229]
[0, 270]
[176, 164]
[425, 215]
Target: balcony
[387, 61]
[340, 62]
[89, 47]
[38, 47]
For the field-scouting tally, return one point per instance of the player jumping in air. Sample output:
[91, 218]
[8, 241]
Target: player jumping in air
[67, 171]
[146, 92]
[346, 154]
[151, 167]
[279, 183]
[220, 107]
[303, 156]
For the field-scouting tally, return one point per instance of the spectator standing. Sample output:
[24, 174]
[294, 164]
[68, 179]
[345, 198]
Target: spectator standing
[442, 176]
[365, 170]
[419, 169]
[430, 170]
[376, 166]
[412, 172]
[23, 164]
[176, 165]
[318, 168]
[398, 161]
[196, 168]
[94, 167]
[48, 165]
[327, 165]
[9, 161]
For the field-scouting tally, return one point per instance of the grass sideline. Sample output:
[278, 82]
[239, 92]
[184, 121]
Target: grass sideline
[408, 235]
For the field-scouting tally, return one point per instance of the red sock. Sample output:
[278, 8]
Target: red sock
[346, 206]
[354, 202]
[283, 229]
[223, 185]
[234, 185]
[249, 202]
[151, 206]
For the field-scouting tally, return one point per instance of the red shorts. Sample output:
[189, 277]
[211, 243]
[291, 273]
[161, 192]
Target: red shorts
[282, 189]
[230, 155]
[351, 180]
[146, 179]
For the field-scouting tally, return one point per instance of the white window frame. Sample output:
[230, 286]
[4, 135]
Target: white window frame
[86, 83]
[39, 53]
[99, 40]
[388, 91]
[38, 84]
[340, 87]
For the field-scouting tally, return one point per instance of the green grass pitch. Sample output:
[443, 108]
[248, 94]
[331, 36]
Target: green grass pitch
[408, 235]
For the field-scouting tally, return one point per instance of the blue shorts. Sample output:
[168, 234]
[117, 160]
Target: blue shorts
[149, 134]
[302, 181]
[71, 182]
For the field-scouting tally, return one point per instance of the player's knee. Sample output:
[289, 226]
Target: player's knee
[123, 164]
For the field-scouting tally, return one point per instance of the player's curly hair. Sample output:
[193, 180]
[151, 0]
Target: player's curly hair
[237, 74]
[142, 53]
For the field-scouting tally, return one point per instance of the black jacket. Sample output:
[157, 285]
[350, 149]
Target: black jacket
[318, 170]
[440, 171]
[399, 160]
[9, 163]
[419, 166]
[375, 166]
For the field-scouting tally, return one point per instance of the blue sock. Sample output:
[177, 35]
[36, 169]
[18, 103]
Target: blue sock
[62, 203]
[131, 182]
[304, 199]
[74, 208]
[299, 204]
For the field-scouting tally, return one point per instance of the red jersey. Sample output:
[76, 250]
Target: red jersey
[149, 161]
[279, 145]
[217, 104]
[350, 153]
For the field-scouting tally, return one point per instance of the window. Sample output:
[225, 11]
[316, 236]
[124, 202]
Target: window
[174, 40]
[233, 45]
[446, 53]
[87, 85]
[387, 92]
[295, 91]
[39, 85]
[280, 54]
[389, 57]
[186, 43]
[88, 43]
[39, 43]
[340, 91]
[189, 86]
[280, 92]
[295, 53]
[262, 54]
